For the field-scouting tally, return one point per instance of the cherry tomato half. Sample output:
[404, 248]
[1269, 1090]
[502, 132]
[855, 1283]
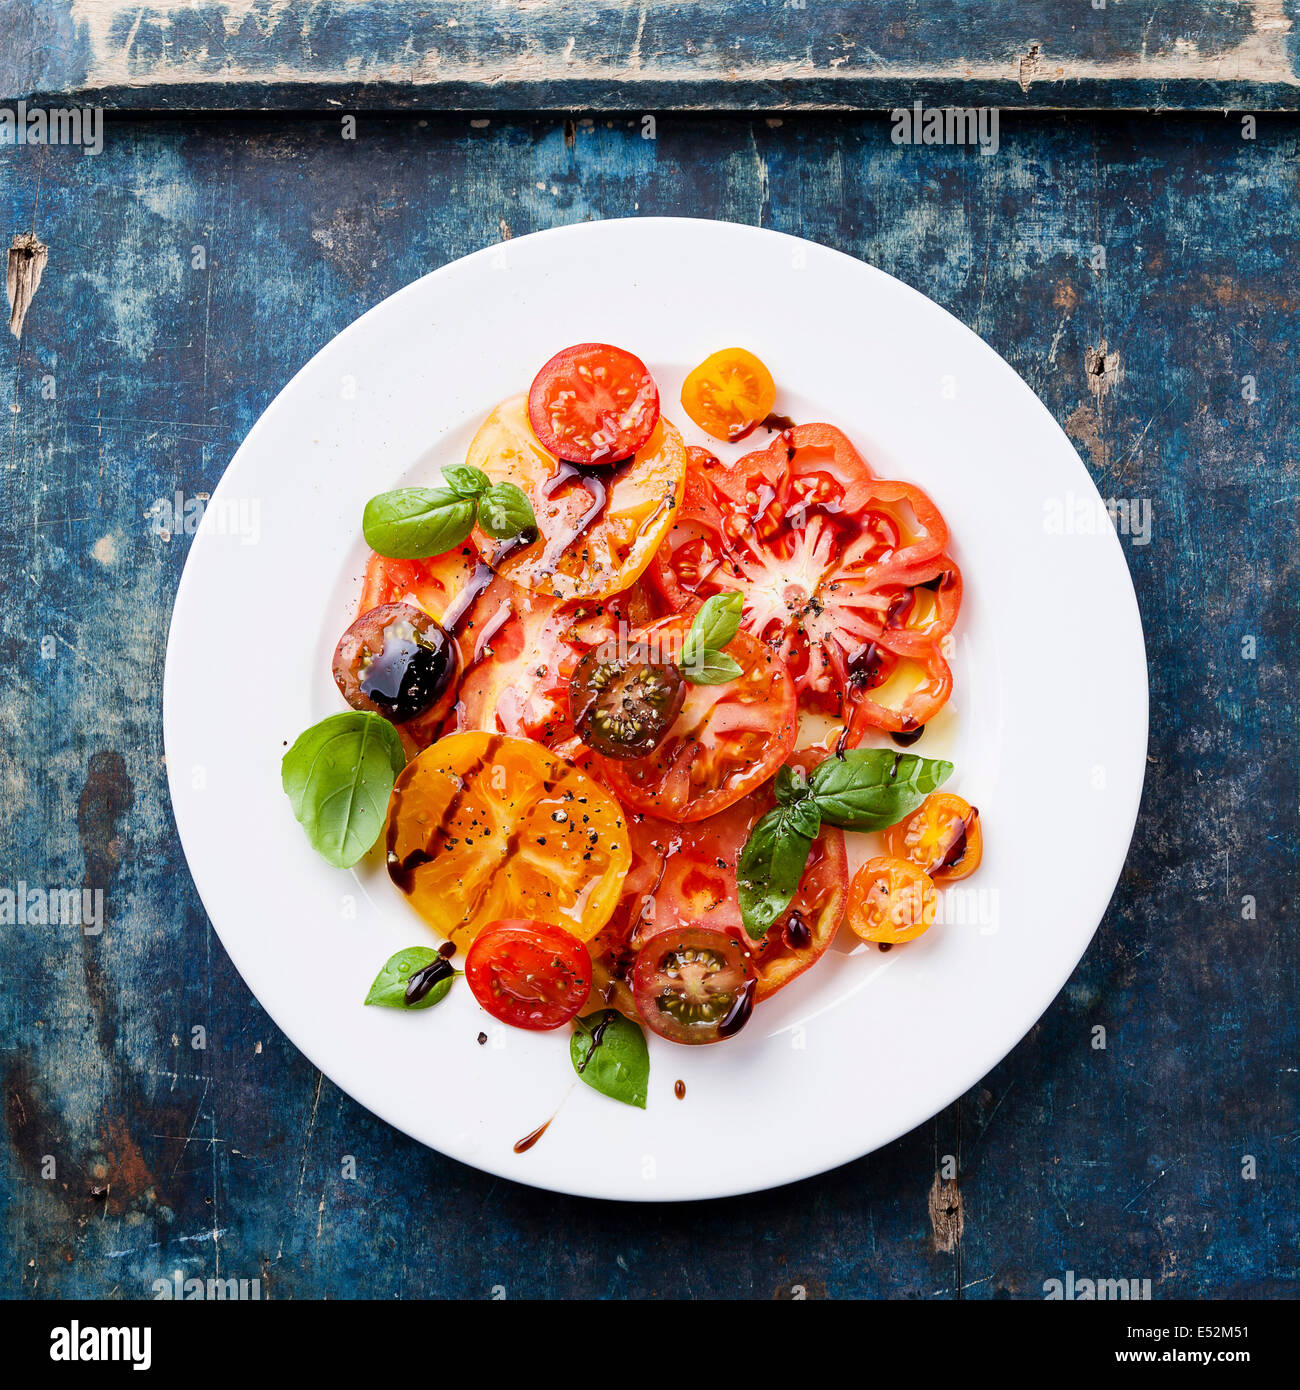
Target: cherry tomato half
[891, 901]
[528, 974]
[729, 393]
[397, 661]
[694, 984]
[624, 702]
[942, 836]
[593, 403]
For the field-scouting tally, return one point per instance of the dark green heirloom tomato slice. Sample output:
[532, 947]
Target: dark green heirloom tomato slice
[624, 700]
[694, 984]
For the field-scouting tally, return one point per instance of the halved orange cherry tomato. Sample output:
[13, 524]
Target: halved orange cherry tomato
[729, 393]
[483, 827]
[528, 974]
[598, 527]
[831, 561]
[942, 836]
[593, 403]
[727, 740]
[891, 901]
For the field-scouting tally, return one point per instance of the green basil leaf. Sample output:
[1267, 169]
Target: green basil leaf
[772, 863]
[872, 788]
[804, 817]
[713, 627]
[389, 988]
[413, 523]
[465, 481]
[338, 776]
[505, 511]
[713, 668]
[791, 785]
[616, 1061]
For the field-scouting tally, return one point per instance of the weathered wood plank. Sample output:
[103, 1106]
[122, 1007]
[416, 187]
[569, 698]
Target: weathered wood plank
[228, 1160]
[651, 54]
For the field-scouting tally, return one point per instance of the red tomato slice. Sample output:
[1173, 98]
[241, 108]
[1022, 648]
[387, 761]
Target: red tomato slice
[684, 875]
[528, 974]
[593, 403]
[433, 584]
[519, 649]
[831, 561]
[727, 740]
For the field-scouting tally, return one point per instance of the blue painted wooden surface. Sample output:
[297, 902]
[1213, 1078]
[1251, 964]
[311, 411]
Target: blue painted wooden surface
[138, 374]
[643, 54]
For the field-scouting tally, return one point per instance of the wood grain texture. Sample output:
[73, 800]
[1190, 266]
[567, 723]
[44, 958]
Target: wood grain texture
[651, 54]
[140, 368]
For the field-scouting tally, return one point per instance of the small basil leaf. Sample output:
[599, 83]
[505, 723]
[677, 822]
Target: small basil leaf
[505, 511]
[413, 523]
[465, 481]
[389, 988]
[771, 865]
[712, 668]
[713, 627]
[791, 785]
[338, 776]
[872, 788]
[805, 817]
[608, 1052]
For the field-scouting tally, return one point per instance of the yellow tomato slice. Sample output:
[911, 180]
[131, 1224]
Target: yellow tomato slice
[599, 527]
[483, 827]
[729, 393]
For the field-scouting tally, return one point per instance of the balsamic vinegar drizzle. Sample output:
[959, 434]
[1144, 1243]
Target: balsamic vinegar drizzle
[679, 1090]
[419, 985]
[521, 1146]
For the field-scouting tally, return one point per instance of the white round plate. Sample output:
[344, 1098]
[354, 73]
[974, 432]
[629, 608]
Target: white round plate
[1047, 725]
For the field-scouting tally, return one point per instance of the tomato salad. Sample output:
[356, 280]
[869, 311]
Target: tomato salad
[580, 682]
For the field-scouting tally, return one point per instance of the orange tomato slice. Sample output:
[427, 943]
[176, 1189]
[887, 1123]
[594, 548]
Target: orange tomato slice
[599, 527]
[891, 901]
[942, 837]
[483, 827]
[729, 393]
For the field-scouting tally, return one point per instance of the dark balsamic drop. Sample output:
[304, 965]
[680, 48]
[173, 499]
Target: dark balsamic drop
[679, 1090]
[905, 738]
[419, 985]
[739, 1014]
[798, 934]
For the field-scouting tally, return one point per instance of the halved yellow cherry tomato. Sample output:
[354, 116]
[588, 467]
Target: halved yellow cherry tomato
[729, 393]
[891, 901]
[599, 526]
[483, 827]
[942, 836]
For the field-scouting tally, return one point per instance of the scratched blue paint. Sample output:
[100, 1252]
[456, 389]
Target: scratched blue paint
[616, 54]
[1123, 1162]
